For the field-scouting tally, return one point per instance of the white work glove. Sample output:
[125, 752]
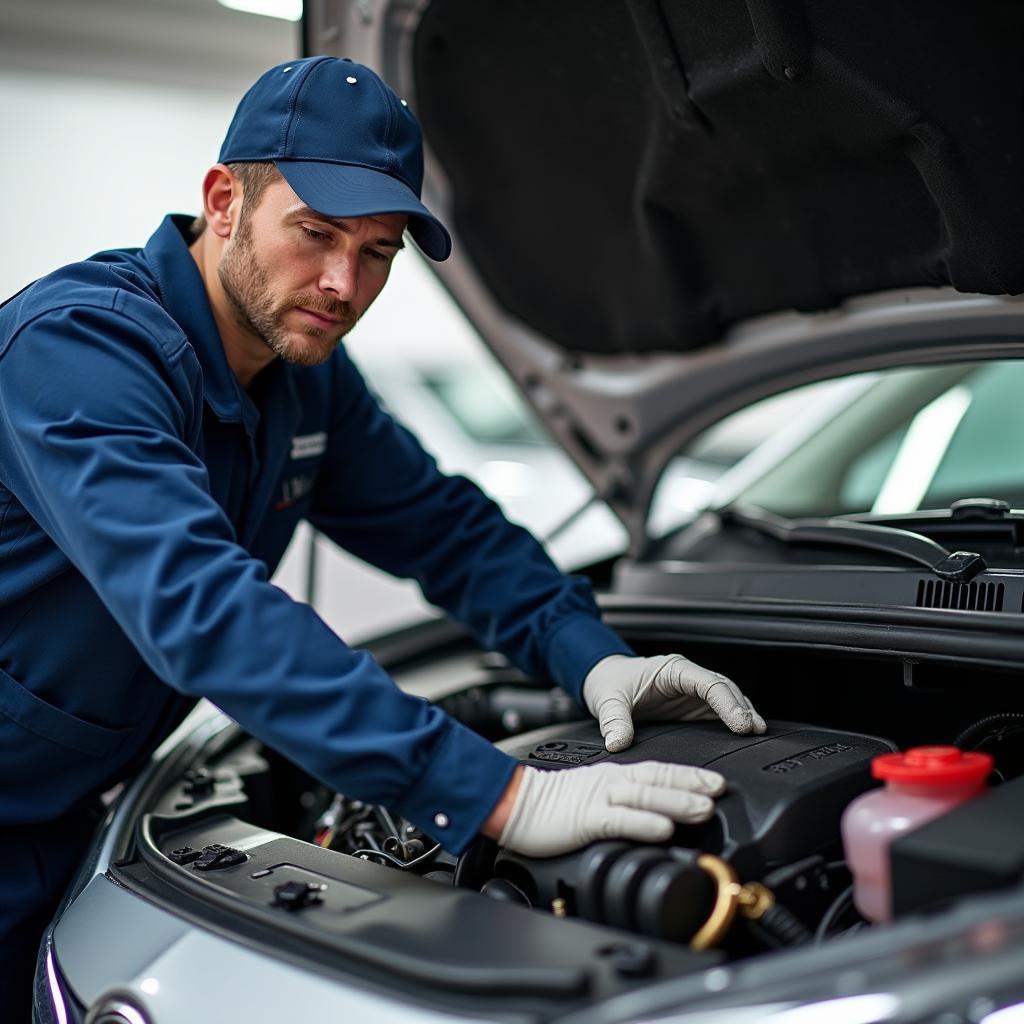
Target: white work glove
[558, 811]
[670, 687]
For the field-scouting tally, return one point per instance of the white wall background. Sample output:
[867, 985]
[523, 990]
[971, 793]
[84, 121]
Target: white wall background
[111, 112]
[96, 165]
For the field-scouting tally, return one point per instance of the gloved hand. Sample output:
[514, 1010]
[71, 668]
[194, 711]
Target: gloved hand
[558, 811]
[670, 687]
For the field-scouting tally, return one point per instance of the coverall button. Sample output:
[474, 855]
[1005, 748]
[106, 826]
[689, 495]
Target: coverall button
[441, 820]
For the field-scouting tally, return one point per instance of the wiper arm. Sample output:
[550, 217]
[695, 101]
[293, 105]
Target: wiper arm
[958, 566]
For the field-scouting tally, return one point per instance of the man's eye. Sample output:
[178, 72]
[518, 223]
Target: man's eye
[316, 236]
[374, 254]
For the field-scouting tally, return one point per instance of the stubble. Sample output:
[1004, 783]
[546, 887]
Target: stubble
[246, 283]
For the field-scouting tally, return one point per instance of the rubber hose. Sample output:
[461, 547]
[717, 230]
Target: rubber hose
[780, 927]
[1005, 718]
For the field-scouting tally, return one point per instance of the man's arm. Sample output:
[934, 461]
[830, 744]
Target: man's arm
[96, 441]
[382, 497]
[498, 818]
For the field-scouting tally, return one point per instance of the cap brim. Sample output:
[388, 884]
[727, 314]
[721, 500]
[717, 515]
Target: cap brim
[343, 190]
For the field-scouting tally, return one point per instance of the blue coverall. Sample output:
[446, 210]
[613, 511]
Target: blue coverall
[145, 498]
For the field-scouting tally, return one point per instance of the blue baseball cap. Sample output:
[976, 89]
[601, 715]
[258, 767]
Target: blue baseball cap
[344, 142]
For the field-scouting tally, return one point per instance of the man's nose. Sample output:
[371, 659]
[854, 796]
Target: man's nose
[340, 277]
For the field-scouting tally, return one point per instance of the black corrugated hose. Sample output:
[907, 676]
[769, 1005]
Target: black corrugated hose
[1004, 718]
[780, 927]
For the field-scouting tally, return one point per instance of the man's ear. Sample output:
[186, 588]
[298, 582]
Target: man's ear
[222, 200]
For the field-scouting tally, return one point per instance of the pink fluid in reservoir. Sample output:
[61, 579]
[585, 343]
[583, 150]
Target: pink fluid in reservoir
[920, 784]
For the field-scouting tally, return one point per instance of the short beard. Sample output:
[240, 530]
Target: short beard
[246, 283]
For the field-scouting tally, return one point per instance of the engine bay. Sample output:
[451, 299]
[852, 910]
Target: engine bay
[769, 857]
[766, 872]
[777, 823]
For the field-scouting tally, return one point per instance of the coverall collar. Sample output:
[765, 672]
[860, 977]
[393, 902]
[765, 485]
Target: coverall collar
[184, 297]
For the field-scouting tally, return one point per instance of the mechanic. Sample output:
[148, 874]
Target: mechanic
[169, 415]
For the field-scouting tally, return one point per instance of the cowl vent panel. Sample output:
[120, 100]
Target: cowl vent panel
[971, 597]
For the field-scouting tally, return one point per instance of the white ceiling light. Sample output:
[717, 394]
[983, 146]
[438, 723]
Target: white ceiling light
[289, 10]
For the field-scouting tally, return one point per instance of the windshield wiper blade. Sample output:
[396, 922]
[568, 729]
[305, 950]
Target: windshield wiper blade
[958, 566]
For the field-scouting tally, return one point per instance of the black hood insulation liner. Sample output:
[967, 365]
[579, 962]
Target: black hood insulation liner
[640, 175]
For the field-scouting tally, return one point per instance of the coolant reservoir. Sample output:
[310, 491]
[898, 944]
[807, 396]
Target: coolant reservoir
[920, 784]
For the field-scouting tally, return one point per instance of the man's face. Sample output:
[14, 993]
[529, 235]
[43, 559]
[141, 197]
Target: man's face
[299, 281]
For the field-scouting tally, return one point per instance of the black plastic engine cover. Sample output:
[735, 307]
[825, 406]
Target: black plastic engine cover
[787, 789]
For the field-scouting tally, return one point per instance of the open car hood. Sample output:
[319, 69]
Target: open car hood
[664, 211]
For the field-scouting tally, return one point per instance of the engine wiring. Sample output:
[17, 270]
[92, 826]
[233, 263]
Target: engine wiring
[370, 832]
[391, 859]
[840, 905]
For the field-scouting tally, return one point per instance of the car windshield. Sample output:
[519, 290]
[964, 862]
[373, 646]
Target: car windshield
[890, 442]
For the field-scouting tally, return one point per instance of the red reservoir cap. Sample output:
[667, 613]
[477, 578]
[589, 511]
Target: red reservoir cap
[937, 765]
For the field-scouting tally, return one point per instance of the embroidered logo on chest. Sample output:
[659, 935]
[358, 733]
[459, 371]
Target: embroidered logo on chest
[292, 490]
[306, 446]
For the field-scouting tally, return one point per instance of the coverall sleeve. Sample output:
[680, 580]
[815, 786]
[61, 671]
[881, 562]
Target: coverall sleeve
[383, 498]
[97, 441]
